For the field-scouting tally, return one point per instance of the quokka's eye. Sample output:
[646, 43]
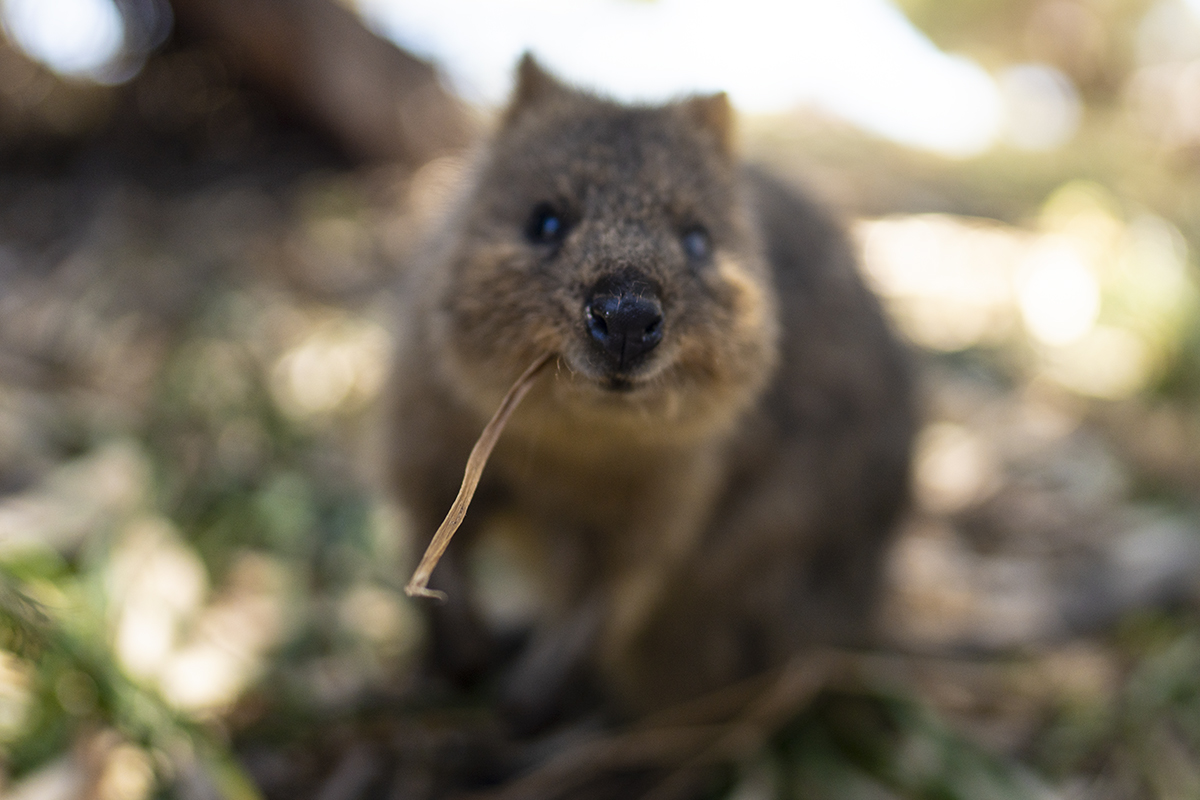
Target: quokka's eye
[546, 225]
[697, 244]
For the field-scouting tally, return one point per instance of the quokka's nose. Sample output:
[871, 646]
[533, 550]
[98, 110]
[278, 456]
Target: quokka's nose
[625, 321]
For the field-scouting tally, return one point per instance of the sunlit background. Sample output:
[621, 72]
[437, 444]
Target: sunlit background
[772, 57]
[1100, 292]
[202, 513]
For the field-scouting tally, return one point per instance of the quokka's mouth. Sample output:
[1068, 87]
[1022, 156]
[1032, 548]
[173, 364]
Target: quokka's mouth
[618, 384]
[610, 385]
[596, 377]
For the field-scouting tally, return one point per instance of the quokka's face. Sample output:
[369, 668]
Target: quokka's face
[615, 238]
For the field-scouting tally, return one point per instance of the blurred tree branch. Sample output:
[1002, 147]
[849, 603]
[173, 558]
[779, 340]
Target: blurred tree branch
[378, 101]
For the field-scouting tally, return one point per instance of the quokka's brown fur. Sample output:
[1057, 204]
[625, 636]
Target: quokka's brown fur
[702, 488]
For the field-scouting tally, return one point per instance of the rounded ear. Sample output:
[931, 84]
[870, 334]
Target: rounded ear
[535, 87]
[712, 112]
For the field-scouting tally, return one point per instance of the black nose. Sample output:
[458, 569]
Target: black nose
[625, 321]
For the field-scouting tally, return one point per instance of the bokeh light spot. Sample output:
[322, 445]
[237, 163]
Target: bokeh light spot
[16, 684]
[1059, 295]
[1042, 106]
[128, 775]
[339, 364]
[78, 38]
[947, 279]
[1109, 363]
[953, 467]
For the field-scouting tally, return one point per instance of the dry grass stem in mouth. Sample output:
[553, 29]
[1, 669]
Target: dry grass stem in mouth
[417, 585]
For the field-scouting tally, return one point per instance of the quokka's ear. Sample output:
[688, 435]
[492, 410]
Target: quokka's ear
[535, 87]
[713, 113]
